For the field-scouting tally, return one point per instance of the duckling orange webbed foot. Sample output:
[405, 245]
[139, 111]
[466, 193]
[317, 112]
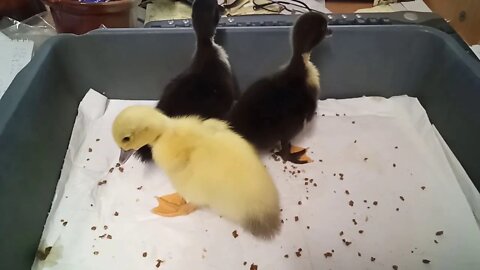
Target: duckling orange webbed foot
[173, 205]
[294, 154]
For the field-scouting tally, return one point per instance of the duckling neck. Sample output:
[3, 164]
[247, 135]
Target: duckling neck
[159, 124]
[298, 63]
[204, 43]
[301, 66]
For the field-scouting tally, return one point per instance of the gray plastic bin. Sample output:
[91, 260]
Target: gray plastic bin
[37, 112]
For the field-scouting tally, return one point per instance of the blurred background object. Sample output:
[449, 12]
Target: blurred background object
[72, 16]
[20, 9]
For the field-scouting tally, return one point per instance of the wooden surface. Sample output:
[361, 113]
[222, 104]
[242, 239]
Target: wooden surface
[469, 28]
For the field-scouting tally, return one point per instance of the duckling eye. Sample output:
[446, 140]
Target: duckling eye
[125, 139]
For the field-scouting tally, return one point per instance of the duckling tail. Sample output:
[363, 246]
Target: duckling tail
[265, 226]
[309, 29]
[205, 17]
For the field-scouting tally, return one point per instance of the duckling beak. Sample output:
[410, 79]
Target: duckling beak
[125, 155]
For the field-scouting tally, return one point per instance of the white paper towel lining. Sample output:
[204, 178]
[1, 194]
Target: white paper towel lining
[375, 149]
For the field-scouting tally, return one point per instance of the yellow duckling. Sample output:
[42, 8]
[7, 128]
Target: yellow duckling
[208, 164]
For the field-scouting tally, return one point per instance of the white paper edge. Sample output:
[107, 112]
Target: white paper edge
[468, 188]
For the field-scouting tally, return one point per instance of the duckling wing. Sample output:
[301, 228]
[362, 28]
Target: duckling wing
[196, 94]
[272, 109]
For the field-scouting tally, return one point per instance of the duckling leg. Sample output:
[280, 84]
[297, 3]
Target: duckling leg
[173, 205]
[294, 154]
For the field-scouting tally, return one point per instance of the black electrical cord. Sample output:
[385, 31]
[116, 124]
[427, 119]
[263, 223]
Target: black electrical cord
[284, 5]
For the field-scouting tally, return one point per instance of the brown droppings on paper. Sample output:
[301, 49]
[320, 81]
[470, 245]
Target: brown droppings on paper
[96, 253]
[401, 198]
[296, 218]
[439, 233]
[435, 241]
[93, 228]
[139, 188]
[375, 203]
[115, 214]
[359, 254]
[360, 231]
[354, 222]
[395, 267]
[423, 187]
[111, 170]
[102, 236]
[109, 237]
[372, 259]
[105, 227]
[365, 159]
[121, 169]
[144, 254]
[159, 262]
[90, 150]
[235, 234]
[65, 223]
[285, 256]
[425, 261]
[299, 203]
[394, 165]
[350, 203]
[253, 267]
[327, 254]
[347, 192]
[103, 182]
[341, 233]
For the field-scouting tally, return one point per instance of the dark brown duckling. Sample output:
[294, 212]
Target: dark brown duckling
[275, 108]
[207, 87]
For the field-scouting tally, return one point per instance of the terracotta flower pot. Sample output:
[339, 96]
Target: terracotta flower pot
[71, 16]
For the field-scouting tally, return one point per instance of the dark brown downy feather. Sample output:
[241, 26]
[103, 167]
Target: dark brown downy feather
[206, 88]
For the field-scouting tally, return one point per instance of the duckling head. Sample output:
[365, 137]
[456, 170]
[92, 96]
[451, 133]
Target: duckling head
[137, 126]
[205, 18]
[309, 29]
